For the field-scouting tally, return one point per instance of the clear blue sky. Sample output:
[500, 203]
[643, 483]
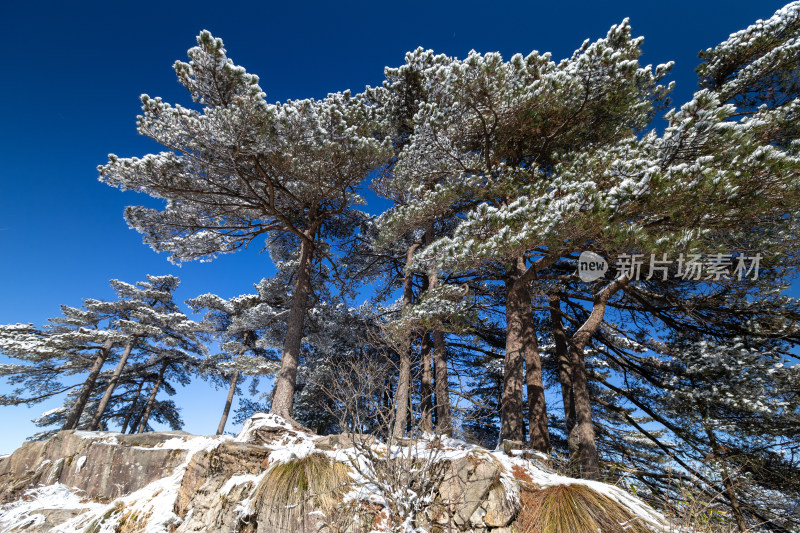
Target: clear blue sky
[73, 73]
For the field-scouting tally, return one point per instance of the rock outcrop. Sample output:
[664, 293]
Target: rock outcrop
[272, 478]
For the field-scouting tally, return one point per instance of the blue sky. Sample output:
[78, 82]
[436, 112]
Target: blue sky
[73, 72]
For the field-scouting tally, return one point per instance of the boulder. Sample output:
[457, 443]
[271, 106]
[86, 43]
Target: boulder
[500, 507]
[216, 482]
[466, 485]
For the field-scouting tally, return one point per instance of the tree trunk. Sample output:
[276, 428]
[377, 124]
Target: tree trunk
[228, 402]
[426, 384]
[86, 391]
[112, 384]
[426, 353]
[283, 395]
[587, 448]
[564, 376]
[132, 408]
[441, 384]
[512, 424]
[590, 464]
[538, 434]
[148, 408]
[401, 399]
[232, 389]
[440, 379]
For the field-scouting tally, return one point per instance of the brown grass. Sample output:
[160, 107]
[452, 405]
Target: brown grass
[520, 474]
[574, 509]
[289, 490]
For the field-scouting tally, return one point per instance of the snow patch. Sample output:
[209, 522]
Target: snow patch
[22, 513]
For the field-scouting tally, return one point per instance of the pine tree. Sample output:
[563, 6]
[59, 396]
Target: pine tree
[487, 136]
[242, 168]
[143, 325]
[150, 318]
[236, 324]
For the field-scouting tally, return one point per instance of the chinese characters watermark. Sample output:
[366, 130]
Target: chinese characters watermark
[697, 267]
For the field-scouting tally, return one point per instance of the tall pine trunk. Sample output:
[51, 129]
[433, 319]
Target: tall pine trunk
[283, 395]
[441, 385]
[564, 376]
[587, 448]
[112, 384]
[426, 384]
[231, 390]
[88, 386]
[440, 378]
[519, 338]
[148, 408]
[511, 421]
[403, 394]
[538, 433]
[426, 353]
[228, 402]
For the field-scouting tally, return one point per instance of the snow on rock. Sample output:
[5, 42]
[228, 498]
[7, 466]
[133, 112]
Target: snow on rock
[219, 484]
[261, 421]
[26, 513]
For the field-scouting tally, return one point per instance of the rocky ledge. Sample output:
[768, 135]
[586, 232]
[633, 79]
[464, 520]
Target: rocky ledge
[276, 478]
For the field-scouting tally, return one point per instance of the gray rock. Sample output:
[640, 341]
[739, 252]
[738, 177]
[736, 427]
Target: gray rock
[90, 462]
[500, 508]
[201, 501]
[52, 518]
[466, 485]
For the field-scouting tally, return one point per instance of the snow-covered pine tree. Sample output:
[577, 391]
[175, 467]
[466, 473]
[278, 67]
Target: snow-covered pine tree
[152, 321]
[41, 367]
[236, 324]
[400, 98]
[241, 168]
[79, 341]
[559, 168]
[143, 325]
[489, 134]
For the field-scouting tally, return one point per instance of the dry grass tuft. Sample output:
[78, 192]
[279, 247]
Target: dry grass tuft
[290, 491]
[574, 509]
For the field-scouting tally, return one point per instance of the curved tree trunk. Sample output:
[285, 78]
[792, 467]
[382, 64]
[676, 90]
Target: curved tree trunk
[283, 395]
[231, 390]
[112, 384]
[401, 399]
[86, 390]
[148, 408]
[228, 403]
[564, 376]
[590, 464]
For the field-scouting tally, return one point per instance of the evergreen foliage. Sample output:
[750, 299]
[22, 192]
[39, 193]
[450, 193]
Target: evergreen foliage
[500, 173]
